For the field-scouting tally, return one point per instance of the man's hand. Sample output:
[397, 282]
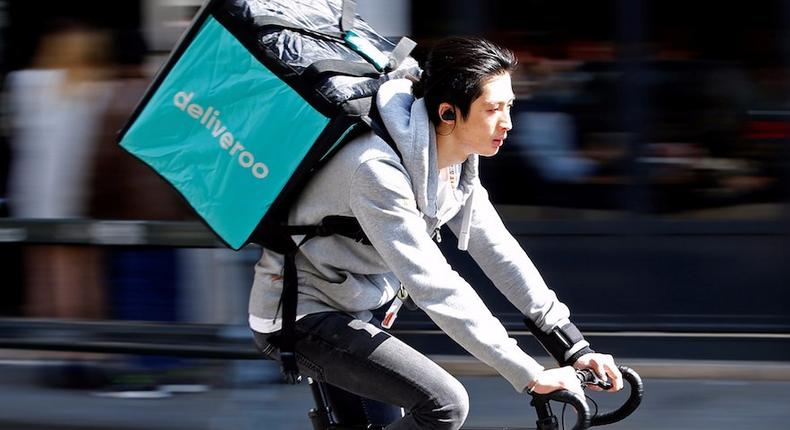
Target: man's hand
[603, 366]
[561, 378]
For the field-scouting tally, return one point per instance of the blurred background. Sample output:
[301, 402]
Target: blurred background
[647, 175]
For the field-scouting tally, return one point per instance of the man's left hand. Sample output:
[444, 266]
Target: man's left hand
[603, 365]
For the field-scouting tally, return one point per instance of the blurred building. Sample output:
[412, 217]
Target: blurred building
[649, 151]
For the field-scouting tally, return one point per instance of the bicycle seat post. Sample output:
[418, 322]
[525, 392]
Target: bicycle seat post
[319, 415]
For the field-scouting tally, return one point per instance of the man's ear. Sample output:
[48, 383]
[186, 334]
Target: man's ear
[447, 112]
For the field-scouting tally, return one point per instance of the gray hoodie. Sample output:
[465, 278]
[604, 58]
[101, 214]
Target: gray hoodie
[399, 203]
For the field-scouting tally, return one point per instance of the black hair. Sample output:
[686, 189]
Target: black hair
[456, 70]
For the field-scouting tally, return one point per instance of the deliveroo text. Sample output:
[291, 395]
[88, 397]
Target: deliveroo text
[210, 119]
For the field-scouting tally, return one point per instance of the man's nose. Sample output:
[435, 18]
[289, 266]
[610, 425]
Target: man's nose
[506, 122]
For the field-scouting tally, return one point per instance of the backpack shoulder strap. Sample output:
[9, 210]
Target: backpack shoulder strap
[376, 123]
[288, 301]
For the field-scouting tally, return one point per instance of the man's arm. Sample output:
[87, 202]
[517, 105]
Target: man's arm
[503, 260]
[506, 264]
[383, 202]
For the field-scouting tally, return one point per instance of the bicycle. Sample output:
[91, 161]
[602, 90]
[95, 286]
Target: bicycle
[329, 413]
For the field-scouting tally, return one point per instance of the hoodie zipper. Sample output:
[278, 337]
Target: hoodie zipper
[436, 235]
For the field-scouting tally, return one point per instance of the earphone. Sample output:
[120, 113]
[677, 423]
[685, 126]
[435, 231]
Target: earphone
[449, 115]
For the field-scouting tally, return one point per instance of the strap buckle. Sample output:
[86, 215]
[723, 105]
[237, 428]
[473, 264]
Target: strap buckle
[289, 369]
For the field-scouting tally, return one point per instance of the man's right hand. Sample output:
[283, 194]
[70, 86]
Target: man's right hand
[561, 378]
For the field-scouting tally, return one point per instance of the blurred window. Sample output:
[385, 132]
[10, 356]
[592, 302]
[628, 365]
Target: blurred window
[566, 156]
[646, 107]
[713, 149]
[716, 124]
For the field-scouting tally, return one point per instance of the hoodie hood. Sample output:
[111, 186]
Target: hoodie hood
[406, 119]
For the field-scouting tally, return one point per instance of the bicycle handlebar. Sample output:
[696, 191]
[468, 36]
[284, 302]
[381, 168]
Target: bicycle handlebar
[630, 405]
[546, 420]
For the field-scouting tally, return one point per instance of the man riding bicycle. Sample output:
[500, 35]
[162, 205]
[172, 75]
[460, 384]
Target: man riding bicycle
[458, 110]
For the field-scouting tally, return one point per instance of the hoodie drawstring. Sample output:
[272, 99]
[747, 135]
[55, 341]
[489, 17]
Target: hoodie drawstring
[466, 223]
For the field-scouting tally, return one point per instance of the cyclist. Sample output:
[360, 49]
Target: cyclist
[458, 110]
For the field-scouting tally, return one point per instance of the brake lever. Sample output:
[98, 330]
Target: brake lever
[587, 377]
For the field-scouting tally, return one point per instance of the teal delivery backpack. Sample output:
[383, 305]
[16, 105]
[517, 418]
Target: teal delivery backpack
[254, 98]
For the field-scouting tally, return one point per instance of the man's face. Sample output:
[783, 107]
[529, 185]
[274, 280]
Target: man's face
[485, 128]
